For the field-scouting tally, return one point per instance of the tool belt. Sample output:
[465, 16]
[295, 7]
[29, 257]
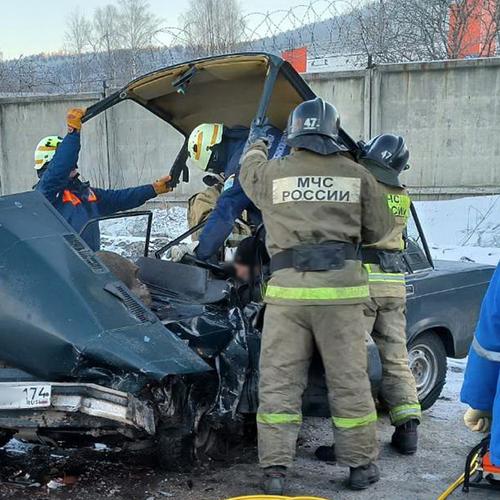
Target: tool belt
[323, 257]
[389, 261]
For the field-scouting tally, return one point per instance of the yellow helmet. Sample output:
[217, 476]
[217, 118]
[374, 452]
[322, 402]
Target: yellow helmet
[201, 142]
[46, 150]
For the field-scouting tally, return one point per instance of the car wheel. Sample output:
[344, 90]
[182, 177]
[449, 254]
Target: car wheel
[427, 359]
[174, 450]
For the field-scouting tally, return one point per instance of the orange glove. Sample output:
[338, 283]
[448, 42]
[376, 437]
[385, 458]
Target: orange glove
[74, 118]
[160, 186]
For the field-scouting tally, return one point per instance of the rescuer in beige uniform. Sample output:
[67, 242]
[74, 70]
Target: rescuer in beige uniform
[201, 205]
[318, 207]
[386, 156]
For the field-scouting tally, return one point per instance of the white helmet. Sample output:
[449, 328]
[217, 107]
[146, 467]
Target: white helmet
[46, 150]
[201, 142]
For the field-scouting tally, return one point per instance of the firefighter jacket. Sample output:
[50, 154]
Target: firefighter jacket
[310, 199]
[391, 283]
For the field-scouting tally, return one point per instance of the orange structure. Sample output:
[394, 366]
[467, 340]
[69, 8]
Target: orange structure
[472, 31]
[297, 58]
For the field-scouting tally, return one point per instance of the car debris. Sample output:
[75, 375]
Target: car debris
[84, 360]
[55, 484]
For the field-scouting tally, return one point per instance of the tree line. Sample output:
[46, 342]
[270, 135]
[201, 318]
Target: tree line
[124, 39]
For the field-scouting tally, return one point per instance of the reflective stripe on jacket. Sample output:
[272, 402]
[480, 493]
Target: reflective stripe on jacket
[309, 199]
[384, 284]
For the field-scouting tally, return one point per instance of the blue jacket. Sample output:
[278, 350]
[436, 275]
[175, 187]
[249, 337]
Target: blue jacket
[233, 201]
[481, 387]
[77, 201]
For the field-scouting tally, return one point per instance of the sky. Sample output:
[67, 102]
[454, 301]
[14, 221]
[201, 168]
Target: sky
[34, 26]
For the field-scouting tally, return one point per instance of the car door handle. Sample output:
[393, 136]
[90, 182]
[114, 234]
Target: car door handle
[410, 290]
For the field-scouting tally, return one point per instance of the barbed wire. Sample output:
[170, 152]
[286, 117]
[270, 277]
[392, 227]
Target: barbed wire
[337, 34]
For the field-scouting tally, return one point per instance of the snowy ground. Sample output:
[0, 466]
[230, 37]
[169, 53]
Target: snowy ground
[99, 474]
[466, 229]
[463, 229]
[126, 236]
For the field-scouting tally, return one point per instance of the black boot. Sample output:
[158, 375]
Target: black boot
[274, 480]
[326, 453]
[361, 477]
[405, 437]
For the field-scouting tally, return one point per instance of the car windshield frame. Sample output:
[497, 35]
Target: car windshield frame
[123, 215]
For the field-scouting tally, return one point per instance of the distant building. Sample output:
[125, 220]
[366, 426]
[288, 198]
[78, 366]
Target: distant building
[336, 62]
[472, 29]
[303, 63]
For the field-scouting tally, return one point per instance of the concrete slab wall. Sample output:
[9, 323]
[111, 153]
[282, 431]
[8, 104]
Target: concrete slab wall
[450, 116]
[24, 121]
[448, 111]
[124, 146]
[347, 91]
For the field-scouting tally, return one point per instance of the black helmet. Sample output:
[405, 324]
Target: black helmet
[387, 156]
[314, 125]
[251, 251]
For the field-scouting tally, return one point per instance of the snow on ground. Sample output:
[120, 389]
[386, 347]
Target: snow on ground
[462, 229]
[127, 236]
[443, 445]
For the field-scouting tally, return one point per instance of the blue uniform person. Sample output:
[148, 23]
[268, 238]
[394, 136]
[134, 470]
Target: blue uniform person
[481, 387]
[216, 150]
[56, 163]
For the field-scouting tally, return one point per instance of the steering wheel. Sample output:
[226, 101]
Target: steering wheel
[194, 261]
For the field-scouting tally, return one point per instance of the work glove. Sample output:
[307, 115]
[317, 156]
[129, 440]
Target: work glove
[477, 420]
[74, 119]
[177, 252]
[161, 185]
[257, 133]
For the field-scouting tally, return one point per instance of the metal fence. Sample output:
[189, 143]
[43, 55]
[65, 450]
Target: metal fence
[335, 34]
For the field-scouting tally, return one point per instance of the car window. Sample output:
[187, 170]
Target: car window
[125, 234]
[415, 256]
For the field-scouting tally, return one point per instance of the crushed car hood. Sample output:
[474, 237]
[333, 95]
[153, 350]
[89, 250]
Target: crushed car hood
[64, 316]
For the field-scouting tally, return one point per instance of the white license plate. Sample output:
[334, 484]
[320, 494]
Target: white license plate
[18, 397]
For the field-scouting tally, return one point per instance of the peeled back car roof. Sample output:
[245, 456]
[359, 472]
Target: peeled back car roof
[224, 89]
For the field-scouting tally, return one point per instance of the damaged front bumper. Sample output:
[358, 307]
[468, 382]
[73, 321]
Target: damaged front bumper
[77, 405]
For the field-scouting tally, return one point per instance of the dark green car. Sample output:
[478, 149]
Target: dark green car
[80, 352]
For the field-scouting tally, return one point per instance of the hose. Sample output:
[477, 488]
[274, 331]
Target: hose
[446, 493]
[274, 497]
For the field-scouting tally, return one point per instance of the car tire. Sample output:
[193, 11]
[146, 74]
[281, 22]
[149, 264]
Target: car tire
[428, 363]
[174, 450]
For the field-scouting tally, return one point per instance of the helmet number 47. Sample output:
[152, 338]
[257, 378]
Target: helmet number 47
[311, 123]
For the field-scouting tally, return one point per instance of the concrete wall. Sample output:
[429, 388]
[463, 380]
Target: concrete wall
[348, 91]
[124, 146]
[450, 115]
[448, 111]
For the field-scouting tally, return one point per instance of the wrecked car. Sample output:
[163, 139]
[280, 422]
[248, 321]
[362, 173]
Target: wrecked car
[81, 355]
